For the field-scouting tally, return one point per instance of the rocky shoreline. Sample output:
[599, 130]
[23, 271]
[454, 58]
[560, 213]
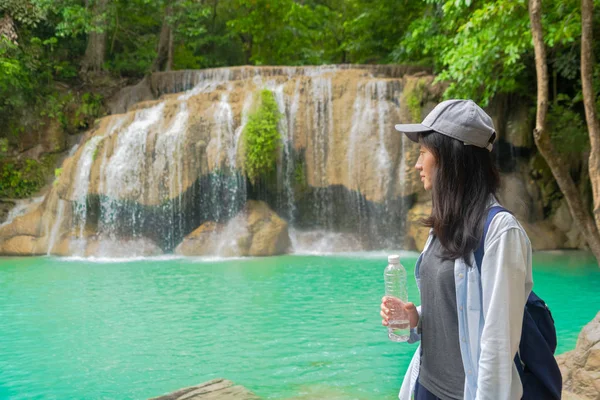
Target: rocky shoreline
[580, 368]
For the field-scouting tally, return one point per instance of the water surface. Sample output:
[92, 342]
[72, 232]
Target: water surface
[284, 327]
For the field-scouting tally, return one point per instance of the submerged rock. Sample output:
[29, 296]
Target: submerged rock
[217, 389]
[580, 368]
[101, 247]
[255, 231]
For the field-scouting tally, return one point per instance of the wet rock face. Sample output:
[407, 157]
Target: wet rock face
[340, 119]
[580, 368]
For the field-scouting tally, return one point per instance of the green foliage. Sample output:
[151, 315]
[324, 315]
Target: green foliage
[3, 146]
[24, 12]
[262, 138]
[300, 174]
[89, 108]
[469, 43]
[23, 178]
[568, 131]
[482, 48]
[57, 173]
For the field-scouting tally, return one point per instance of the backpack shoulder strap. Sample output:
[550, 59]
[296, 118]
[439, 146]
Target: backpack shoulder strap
[492, 211]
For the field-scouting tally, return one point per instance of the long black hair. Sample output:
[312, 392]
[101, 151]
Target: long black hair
[465, 179]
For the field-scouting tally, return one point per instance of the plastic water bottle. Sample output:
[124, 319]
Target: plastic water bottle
[395, 286]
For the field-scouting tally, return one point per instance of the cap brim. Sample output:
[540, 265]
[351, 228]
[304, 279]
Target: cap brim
[412, 130]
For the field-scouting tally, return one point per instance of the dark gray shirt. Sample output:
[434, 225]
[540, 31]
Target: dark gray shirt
[442, 371]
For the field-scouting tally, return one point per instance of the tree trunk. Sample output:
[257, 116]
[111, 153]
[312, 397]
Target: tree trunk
[587, 65]
[164, 53]
[556, 161]
[7, 29]
[93, 60]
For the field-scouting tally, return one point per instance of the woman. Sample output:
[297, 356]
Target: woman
[469, 324]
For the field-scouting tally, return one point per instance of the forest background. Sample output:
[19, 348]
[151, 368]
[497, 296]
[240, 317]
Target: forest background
[60, 61]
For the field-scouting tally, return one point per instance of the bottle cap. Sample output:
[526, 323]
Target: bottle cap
[394, 259]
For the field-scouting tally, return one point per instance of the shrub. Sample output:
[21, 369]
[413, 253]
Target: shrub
[262, 138]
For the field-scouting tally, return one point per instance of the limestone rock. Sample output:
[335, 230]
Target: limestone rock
[28, 225]
[580, 368]
[255, 231]
[22, 246]
[50, 135]
[217, 389]
[201, 241]
[544, 235]
[417, 233]
[5, 207]
[563, 220]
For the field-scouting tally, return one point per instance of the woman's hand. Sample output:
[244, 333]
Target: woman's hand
[393, 309]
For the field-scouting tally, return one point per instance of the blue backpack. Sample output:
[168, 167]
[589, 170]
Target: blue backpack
[535, 360]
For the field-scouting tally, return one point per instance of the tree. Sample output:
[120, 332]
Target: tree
[93, 60]
[164, 53]
[555, 159]
[7, 29]
[589, 101]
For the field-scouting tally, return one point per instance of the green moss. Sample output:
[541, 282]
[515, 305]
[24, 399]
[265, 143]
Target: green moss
[261, 138]
[414, 97]
[57, 173]
[300, 175]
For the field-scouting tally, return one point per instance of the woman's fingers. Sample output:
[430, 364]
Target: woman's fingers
[384, 308]
[409, 306]
[384, 313]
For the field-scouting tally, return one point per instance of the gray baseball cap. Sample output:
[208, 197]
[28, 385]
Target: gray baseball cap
[460, 119]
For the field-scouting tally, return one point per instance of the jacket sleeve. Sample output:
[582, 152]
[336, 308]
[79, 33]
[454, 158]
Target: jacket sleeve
[506, 283]
[415, 333]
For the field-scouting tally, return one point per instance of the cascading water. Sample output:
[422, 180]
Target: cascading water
[161, 171]
[322, 127]
[167, 170]
[121, 176]
[53, 235]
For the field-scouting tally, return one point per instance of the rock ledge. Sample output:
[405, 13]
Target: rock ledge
[217, 389]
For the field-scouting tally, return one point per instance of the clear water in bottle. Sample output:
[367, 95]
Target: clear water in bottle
[395, 286]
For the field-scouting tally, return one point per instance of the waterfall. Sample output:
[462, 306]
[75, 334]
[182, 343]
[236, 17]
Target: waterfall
[54, 232]
[122, 171]
[322, 128]
[167, 170]
[288, 109]
[159, 172]
[82, 182]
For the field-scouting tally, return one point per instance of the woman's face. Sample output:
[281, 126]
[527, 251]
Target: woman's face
[426, 167]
